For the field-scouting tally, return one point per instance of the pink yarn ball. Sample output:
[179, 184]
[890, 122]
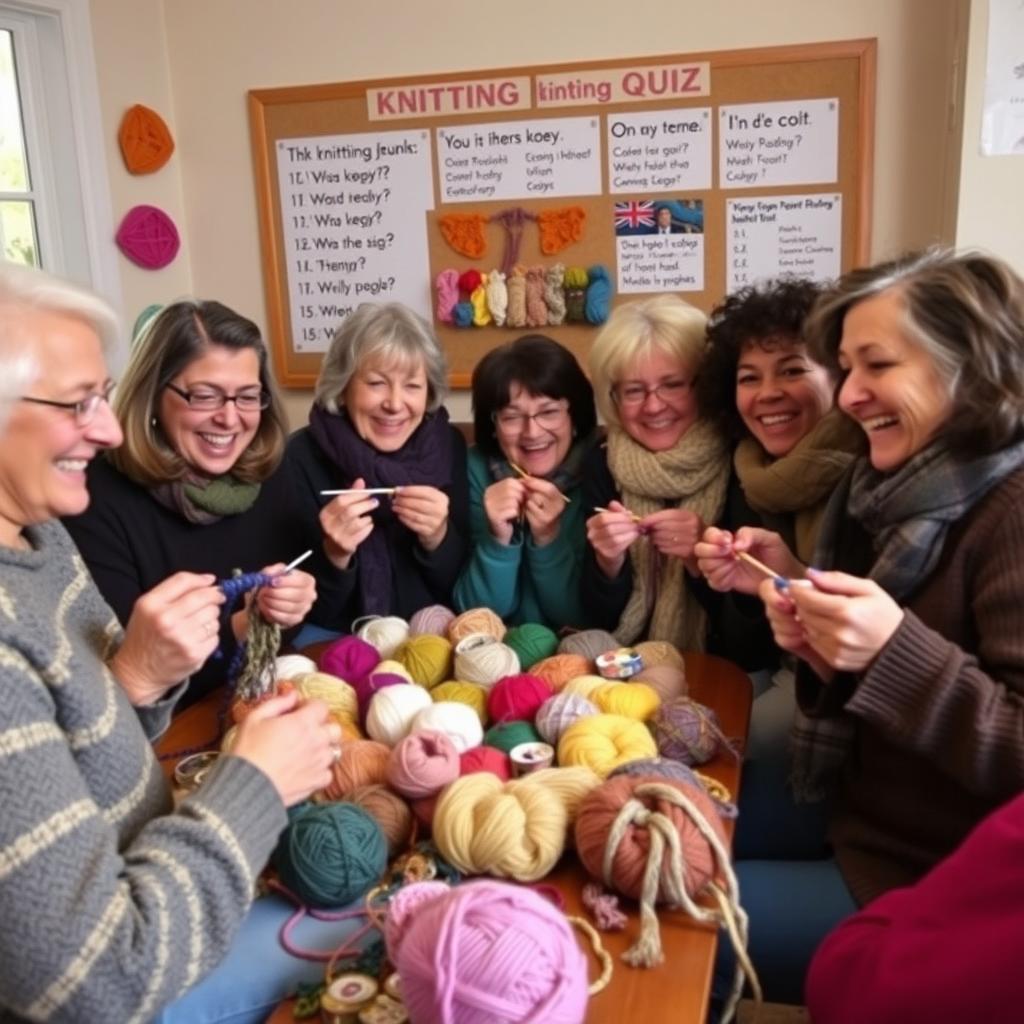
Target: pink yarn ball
[486, 951]
[486, 759]
[433, 619]
[366, 688]
[517, 698]
[423, 763]
[350, 659]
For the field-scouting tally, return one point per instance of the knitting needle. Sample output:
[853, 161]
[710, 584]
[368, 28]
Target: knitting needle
[760, 566]
[632, 515]
[298, 561]
[363, 490]
[522, 472]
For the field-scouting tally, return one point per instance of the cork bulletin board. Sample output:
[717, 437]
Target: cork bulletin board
[753, 162]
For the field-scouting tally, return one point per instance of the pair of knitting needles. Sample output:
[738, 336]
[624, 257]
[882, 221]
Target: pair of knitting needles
[363, 490]
[522, 472]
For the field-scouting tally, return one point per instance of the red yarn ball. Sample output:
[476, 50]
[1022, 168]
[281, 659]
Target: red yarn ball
[486, 759]
[469, 281]
[517, 698]
[350, 659]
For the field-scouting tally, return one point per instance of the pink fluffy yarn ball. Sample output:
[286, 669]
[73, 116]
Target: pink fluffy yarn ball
[433, 619]
[422, 763]
[517, 698]
[350, 659]
[483, 952]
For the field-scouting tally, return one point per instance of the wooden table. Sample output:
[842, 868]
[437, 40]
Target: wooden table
[676, 992]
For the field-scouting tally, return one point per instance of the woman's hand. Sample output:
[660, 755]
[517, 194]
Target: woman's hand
[172, 630]
[717, 561]
[847, 619]
[610, 535]
[503, 505]
[674, 532]
[293, 745]
[286, 602]
[543, 508]
[346, 523]
[787, 628]
[424, 511]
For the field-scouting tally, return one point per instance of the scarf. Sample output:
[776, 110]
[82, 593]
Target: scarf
[800, 482]
[203, 499]
[426, 458]
[693, 475]
[908, 514]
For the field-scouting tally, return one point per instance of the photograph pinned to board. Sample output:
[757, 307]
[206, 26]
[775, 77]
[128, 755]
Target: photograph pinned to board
[660, 244]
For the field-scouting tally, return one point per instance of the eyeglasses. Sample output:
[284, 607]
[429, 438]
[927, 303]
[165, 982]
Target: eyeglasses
[669, 391]
[211, 399]
[511, 421]
[84, 410]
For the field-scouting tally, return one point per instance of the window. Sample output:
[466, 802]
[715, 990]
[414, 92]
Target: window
[17, 199]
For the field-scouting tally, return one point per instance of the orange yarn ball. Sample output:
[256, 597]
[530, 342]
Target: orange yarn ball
[596, 818]
[362, 763]
[476, 620]
[560, 668]
[389, 810]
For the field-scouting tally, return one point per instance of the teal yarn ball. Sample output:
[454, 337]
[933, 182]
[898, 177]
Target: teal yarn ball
[331, 854]
[506, 735]
[532, 642]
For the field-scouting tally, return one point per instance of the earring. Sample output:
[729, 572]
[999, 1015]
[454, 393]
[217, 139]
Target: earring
[152, 421]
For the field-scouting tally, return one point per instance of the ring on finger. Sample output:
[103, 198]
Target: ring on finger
[335, 752]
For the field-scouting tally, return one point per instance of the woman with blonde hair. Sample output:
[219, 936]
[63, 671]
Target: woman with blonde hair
[660, 477]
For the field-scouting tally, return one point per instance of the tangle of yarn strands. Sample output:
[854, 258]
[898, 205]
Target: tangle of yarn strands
[252, 675]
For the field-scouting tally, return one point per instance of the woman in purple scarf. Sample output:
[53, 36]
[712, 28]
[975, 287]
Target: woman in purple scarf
[377, 422]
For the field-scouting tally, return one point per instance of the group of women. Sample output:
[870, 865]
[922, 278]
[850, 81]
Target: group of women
[873, 429]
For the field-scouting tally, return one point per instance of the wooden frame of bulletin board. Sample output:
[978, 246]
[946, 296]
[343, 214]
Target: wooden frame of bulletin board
[767, 155]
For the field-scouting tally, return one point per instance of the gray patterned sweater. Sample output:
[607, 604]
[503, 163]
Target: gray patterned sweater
[111, 904]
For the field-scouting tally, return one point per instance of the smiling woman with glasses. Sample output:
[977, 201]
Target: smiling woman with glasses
[198, 483]
[534, 417]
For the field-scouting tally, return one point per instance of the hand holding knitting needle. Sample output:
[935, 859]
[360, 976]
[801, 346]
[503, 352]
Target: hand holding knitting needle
[610, 534]
[291, 594]
[724, 558]
[346, 523]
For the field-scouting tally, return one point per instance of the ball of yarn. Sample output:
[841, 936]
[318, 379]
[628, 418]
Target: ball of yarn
[634, 700]
[462, 314]
[428, 659]
[386, 633]
[433, 619]
[660, 652]
[509, 830]
[390, 811]
[484, 952]
[560, 668]
[339, 697]
[479, 658]
[359, 763]
[595, 829]
[589, 643]
[422, 763]
[392, 710]
[349, 658]
[349, 729]
[458, 722]
[473, 695]
[517, 697]
[506, 735]
[531, 642]
[557, 713]
[584, 685]
[393, 667]
[476, 620]
[331, 854]
[602, 742]
[486, 759]
[366, 688]
[668, 681]
[660, 767]
[599, 294]
[687, 731]
[287, 666]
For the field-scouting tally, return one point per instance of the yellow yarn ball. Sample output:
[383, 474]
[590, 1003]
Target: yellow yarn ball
[634, 700]
[394, 667]
[584, 685]
[427, 657]
[487, 827]
[463, 693]
[476, 620]
[339, 697]
[660, 652]
[603, 742]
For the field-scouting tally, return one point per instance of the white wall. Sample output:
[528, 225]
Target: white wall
[208, 53]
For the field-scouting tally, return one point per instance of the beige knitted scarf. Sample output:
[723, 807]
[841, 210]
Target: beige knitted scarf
[801, 482]
[693, 475]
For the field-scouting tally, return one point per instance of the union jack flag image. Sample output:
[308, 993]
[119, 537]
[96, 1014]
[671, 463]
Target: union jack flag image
[635, 217]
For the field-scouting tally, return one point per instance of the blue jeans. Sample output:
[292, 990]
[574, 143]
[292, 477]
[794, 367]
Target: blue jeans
[257, 972]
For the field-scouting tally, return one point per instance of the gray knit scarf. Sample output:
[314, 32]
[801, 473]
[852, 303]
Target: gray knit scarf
[908, 514]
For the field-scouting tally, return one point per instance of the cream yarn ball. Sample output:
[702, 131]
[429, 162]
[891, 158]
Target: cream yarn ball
[459, 722]
[392, 711]
[385, 632]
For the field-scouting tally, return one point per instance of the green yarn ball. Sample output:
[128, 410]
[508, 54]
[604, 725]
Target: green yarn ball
[532, 642]
[331, 854]
[506, 735]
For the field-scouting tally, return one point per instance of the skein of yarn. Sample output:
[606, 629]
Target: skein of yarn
[428, 659]
[359, 763]
[392, 711]
[589, 643]
[560, 668]
[458, 722]
[422, 763]
[384, 632]
[603, 742]
[389, 810]
[532, 642]
[479, 658]
[349, 658]
[433, 619]
[484, 952]
[476, 620]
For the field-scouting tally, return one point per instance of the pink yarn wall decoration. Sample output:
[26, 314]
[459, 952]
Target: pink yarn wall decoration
[148, 237]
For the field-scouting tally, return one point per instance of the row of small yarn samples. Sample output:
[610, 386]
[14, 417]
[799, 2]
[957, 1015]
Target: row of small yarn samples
[534, 296]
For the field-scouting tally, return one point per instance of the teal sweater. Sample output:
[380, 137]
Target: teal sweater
[520, 581]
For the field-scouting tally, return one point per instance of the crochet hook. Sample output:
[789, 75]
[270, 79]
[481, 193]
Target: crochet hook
[363, 490]
[522, 472]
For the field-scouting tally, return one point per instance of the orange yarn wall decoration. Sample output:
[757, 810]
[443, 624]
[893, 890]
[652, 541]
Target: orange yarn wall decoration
[145, 140]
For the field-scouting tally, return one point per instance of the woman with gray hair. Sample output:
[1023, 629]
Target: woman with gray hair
[377, 422]
[116, 902]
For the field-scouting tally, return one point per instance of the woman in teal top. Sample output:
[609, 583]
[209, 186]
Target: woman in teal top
[534, 418]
